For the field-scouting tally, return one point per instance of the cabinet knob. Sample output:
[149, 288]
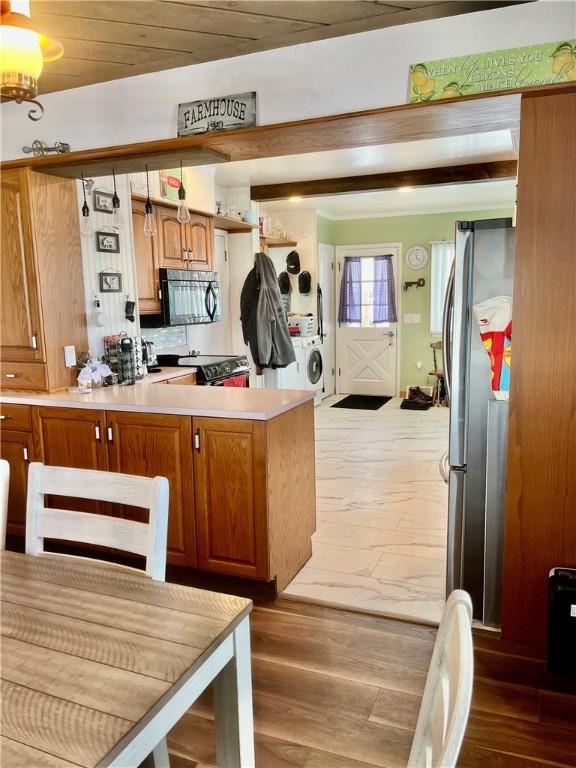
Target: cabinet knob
[11, 375]
[4, 417]
[197, 440]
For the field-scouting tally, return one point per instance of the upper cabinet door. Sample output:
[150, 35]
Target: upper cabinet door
[147, 263]
[19, 306]
[172, 239]
[200, 234]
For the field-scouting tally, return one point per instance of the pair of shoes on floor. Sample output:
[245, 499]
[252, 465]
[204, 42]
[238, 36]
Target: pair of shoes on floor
[415, 405]
[415, 393]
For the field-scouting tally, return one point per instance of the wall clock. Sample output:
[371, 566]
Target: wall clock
[417, 257]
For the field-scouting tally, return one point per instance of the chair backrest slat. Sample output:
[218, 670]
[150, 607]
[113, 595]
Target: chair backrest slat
[448, 692]
[107, 531]
[147, 539]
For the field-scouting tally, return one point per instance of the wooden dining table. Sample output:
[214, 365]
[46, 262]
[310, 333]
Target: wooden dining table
[98, 664]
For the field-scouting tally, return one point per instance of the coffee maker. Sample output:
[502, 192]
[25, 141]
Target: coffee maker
[150, 359]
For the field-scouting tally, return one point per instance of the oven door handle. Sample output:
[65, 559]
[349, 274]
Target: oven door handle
[211, 311]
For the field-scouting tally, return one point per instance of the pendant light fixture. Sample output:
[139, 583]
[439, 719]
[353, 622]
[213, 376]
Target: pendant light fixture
[149, 218]
[86, 229]
[183, 214]
[117, 222]
[23, 52]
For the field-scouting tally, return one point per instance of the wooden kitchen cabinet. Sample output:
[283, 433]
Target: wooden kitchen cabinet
[171, 237]
[147, 262]
[231, 508]
[157, 444]
[184, 246]
[19, 308]
[18, 450]
[42, 291]
[200, 237]
[72, 437]
[16, 447]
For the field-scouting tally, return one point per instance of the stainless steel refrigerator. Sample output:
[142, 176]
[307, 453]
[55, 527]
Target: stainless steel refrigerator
[483, 268]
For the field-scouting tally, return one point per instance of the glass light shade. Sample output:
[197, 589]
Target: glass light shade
[86, 229]
[183, 214]
[20, 52]
[149, 225]
[117, 221]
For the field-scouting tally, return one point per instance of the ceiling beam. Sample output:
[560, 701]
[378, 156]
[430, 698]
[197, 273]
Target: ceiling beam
[423, 177]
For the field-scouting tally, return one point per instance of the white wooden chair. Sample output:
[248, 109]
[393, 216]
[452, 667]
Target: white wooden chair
[147, 539]
[4, 488]
[448, 693]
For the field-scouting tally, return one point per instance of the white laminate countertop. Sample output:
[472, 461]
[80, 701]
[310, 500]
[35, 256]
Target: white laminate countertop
[149, 395]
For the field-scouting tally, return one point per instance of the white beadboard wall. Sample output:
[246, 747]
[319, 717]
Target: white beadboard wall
[110, 318]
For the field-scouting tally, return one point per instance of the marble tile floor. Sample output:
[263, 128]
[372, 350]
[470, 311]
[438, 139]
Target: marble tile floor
[380, 544]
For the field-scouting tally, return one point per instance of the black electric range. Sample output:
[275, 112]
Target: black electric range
[211, 370]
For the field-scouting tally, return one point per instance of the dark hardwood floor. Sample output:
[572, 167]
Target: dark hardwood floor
[341, 690]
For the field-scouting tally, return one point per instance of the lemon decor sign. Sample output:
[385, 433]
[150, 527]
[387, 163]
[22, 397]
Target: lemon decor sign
[536, 65]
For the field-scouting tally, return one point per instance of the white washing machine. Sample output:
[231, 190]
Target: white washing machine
[308, 370]
[313, 366]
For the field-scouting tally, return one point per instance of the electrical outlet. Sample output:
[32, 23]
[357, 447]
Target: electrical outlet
[70, 356]
[413, 319]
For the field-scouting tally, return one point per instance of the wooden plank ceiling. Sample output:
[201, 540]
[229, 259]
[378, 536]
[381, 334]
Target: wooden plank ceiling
[110, 39]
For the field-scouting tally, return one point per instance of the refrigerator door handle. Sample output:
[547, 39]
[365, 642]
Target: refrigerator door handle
[456, 485]
[447, 331]
[459, 352]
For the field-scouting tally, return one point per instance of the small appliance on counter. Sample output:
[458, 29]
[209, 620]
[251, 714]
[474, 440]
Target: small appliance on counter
[150, 359]
[213, 370]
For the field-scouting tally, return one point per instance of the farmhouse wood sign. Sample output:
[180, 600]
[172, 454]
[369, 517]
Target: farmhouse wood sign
[222, 113]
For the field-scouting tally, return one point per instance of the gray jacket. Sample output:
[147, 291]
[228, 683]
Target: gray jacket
[275, 348]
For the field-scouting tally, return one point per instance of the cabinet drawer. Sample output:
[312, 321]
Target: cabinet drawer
[24, 376]
[190, 378]
[16, 417]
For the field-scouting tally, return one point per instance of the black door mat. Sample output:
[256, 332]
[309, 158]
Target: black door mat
[362, 402]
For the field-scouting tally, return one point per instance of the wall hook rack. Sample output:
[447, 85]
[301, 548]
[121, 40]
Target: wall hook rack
[420, 283]
[40, 148]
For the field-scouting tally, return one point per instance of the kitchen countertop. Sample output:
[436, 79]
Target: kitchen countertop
[150, 396]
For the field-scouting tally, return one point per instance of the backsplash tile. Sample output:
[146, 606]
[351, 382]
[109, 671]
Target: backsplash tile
[166, 338]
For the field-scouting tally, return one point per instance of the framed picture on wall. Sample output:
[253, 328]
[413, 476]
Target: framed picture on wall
[107, 242]
[103, 201]
[110, 282]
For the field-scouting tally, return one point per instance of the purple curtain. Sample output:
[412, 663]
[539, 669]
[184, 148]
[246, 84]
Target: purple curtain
[350, 310]
[384, 294]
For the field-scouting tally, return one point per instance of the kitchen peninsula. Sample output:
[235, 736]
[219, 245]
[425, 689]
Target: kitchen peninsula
[240, 463]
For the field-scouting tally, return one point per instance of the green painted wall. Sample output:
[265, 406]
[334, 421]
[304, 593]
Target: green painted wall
[409, 230]
[325, 230]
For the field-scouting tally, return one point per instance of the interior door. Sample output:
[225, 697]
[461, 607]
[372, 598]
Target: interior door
[326, 282]
[367, 353]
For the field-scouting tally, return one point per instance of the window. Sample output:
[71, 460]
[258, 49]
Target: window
[442, 255]
[367, 294]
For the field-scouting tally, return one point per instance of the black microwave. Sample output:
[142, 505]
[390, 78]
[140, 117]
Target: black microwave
[189, 297]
